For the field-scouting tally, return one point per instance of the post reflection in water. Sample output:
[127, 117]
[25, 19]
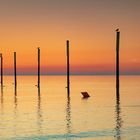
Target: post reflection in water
[1, 95]
[15, 111]
[118, 117]
[68, 117]
[15, 97]
[38, 91]
[39, 113]
[2, 100]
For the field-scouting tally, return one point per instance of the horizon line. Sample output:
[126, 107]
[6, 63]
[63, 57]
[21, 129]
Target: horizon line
[73, 74]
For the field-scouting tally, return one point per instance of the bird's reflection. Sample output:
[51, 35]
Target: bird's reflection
[68, 117]
[39, 112]
[118, 117]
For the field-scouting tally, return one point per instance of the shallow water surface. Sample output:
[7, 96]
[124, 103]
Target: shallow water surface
[27, 113]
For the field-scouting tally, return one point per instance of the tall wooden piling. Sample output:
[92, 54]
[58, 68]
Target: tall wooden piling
[1, 58]
[68, 68]
[117, 61]
[38, 67]
[15, 70]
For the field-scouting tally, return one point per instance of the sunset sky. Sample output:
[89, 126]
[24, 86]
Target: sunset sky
[89, 25]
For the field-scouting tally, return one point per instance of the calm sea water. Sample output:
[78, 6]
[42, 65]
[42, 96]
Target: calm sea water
[52, 115]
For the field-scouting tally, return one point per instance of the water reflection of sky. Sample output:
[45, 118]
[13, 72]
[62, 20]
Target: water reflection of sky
[47, 113]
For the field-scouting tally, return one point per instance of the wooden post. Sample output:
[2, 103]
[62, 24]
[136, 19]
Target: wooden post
[15, 71]
[68, 69]
[117, 61]
[38, 67]
[1, 70]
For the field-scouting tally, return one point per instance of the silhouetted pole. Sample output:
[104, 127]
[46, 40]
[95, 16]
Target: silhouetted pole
[15, 70]
[38, 67]
[118, 109]
[1, 70]
[68, 69]
[117, 61]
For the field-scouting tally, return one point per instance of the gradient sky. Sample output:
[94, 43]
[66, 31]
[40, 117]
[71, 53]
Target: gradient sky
[88, 24]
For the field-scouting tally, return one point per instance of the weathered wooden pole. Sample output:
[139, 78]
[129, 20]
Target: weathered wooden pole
[38, 67]
[1, 70]
[68, 68]
[117, 61]
[15, 70]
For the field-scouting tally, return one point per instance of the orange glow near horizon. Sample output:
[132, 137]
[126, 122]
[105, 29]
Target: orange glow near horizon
[92, 39]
